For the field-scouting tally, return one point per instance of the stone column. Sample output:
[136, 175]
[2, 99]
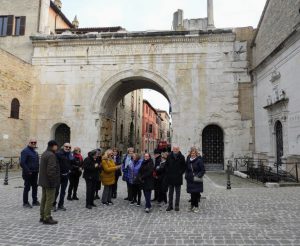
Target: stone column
[44, 15]
[210, 14]
[178, 20]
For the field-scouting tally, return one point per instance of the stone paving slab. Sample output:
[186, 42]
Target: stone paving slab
[220, 179]
[244, 216]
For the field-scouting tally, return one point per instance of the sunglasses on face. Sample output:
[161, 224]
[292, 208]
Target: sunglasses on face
[67, 147]
[32, 142]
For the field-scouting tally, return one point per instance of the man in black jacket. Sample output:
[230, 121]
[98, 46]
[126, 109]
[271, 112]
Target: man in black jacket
[64, 157]
[175, 168]
[30, 170]
[49, 179]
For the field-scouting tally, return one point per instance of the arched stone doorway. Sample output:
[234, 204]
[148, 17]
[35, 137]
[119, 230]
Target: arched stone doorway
[115, 88]
[279, 141]
[62, 134]
[213, 147]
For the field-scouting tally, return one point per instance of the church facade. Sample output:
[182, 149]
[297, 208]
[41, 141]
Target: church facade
[275, 71]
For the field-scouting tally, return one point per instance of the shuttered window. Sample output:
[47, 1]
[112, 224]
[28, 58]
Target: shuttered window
[6, 25]
[20, 23]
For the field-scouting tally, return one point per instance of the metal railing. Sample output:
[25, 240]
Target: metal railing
[8, 164]
[288, 171]
[260, 170]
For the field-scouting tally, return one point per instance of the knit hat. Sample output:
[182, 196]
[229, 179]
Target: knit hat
[51, 143]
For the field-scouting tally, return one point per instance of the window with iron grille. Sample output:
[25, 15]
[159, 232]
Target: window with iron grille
[213, 145]
[15, 109]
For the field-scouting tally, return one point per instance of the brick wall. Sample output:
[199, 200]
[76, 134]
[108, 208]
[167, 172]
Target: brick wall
[16, 80]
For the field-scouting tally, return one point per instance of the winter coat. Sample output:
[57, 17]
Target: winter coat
[108, 171]
[161, 174]
[76, 165]
[117, 160]
[125, 169]
[156, 163]
[175, 168]
[199, 171]
[99, 162]
[133, 171]
[65, 160]
[49, 176]
[146, 175]
[29, 161]
[90, 171]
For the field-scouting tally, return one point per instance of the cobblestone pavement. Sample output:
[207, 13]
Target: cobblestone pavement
[241, 216]
[11, 174]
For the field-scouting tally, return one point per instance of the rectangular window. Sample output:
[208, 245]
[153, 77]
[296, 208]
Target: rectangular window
[17, 26]
[3, 25]
[150, 128]
[6, 25]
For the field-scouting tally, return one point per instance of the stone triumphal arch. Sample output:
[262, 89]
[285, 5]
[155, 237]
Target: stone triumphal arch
[202, 74]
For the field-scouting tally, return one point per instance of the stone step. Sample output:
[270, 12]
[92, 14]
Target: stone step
[214, 167]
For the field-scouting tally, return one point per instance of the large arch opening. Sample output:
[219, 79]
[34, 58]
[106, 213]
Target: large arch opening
[139, 128]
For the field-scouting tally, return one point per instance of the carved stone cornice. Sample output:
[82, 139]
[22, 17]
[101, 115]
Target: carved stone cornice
[77, 40]
[280, 103]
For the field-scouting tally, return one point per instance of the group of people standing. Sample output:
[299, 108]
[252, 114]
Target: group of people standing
[163, 175]
[57, 168]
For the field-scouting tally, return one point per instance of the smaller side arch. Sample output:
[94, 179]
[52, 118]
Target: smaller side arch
[213, 147]
[61, 133]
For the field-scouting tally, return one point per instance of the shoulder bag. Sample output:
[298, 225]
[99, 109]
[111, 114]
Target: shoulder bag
[196, 179]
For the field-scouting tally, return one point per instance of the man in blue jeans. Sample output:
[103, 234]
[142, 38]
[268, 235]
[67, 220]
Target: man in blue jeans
[64, 157]
[30, 170]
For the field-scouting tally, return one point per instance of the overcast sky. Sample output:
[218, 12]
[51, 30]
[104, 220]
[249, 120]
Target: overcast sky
[140, 15]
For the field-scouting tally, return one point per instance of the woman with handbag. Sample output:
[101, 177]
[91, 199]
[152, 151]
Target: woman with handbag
[194, 178]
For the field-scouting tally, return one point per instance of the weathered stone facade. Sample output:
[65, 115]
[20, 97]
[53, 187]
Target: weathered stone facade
[16, 81]
[276, 55]
[83, 77]
[200, 75]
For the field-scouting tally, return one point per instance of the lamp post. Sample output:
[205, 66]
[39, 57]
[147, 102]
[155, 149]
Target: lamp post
[5, 137]
[229, 168]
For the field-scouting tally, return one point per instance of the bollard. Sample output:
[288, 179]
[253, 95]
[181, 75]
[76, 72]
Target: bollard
[228, 175]
[6, 174]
